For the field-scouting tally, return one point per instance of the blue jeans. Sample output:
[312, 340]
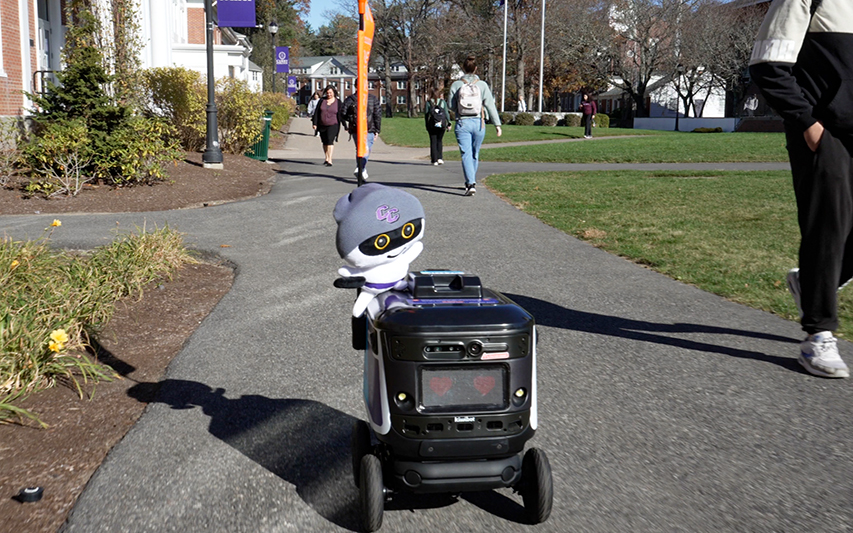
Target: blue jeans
[470, 133]
[370, 137]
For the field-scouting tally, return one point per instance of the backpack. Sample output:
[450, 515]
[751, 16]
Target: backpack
[350, 115]
[469, 101]
[438, 117]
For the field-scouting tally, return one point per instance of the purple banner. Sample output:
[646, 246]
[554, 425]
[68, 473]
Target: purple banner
[291, 84]
[282, 59]
[236, 13]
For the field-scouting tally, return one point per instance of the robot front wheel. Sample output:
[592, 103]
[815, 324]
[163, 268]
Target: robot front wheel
[371, 492]
[536, 486]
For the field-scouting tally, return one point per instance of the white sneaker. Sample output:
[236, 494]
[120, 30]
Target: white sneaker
[435, 164]
[819, 356]
[441, 161]
[363, 173]
[793, 281]
[470, 189]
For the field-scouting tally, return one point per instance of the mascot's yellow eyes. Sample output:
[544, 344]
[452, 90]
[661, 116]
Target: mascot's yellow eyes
[408, 230]
[381, 242]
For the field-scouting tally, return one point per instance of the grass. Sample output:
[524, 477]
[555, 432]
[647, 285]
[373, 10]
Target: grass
[621, 146]
[412, 132]
[52, 302]
[734, 234]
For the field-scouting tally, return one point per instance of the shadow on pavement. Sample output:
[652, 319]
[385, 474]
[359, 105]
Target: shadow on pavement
[304, 442]
[549, 314]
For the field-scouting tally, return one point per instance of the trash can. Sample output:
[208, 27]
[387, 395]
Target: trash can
[260, 150]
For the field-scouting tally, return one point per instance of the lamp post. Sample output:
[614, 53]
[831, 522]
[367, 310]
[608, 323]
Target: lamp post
[212, 156]
[679, 69]
[273, 27]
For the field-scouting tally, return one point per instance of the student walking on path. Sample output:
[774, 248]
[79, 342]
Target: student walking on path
[327, 121]
[374, 124]
[473, 103]
[437, 118]
[589, 109]
[803, 64]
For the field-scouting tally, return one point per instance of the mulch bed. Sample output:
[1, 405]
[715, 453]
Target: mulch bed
[139, 342]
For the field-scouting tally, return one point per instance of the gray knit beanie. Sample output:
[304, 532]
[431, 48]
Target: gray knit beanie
[370, 210]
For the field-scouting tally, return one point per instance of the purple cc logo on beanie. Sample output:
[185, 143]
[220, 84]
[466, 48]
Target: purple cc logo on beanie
[388, 214]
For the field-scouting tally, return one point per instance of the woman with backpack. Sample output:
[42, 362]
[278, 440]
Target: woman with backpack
[437, 120]
[473, 103]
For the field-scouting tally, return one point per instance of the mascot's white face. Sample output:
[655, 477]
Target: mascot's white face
[387, 246]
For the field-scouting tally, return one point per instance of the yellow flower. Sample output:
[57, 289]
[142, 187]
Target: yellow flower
[59, 335]
[56, 222]
[56, 347]
[15, 263]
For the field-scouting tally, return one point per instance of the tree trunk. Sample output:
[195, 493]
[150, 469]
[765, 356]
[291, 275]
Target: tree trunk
[389, 106]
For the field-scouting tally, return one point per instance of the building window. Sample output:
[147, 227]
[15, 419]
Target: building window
[334, 70]
[382, 100]
[347, 86]
[371, 85]
[417, 85]
[401, 85]
[401, 100]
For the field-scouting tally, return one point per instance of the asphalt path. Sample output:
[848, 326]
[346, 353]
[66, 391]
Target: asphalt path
[662, 407]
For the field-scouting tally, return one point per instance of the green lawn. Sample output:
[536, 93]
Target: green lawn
[412, 132]
[730, 233]
[612, 145]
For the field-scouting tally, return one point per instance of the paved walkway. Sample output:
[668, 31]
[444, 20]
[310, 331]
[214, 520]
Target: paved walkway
[663, 408]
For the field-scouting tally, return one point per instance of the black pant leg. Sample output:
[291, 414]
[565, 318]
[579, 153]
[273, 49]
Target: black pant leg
[822, 185]
[439, 149]
[433, 147]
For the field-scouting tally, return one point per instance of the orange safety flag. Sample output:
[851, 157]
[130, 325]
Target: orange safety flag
[365, 42]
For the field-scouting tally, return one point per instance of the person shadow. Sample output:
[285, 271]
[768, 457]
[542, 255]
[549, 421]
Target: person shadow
[305, 443]
[553, 315]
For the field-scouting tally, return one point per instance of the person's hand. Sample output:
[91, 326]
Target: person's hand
[813, 136]
[499, 130]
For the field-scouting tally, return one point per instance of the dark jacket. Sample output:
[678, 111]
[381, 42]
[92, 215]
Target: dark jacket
[374, 113]
[429, 122]
[803, 63]
[316, 118]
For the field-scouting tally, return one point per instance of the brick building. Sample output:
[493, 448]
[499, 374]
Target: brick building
[32, 34]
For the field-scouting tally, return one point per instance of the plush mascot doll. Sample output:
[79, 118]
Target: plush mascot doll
[379, 234]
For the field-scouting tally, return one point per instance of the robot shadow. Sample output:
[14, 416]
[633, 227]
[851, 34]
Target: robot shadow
[549, 314]
[304, 442]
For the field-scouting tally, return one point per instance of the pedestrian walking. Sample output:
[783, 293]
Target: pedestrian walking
[327, 121]
[588, 108]
[522, 105]
[802, 63]
[312, 106]
[374, 124]
[437, 119]
[473, 103]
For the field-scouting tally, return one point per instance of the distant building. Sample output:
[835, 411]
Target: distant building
[316, 72]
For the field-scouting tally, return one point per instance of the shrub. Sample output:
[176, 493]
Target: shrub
[138, 152]
[549, 119]
[240, 115]
[525, 119]
[281, 106]
[573, 120]
[178, 95]
[602, 120]
[60, 156]
[708, 130]
[507, 118]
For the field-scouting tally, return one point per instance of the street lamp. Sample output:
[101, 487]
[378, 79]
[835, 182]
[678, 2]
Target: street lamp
[212, 156]
[273, 27]
[680, 70]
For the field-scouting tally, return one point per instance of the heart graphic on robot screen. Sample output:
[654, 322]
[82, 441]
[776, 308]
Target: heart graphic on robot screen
[440, 386]
[484, 384]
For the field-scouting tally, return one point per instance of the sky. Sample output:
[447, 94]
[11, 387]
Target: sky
[318, 7]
